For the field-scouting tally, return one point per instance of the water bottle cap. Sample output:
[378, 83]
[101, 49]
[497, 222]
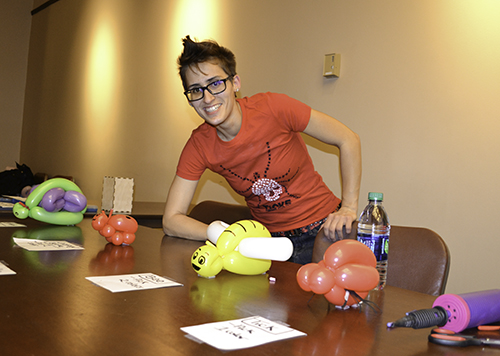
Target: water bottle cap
[375, 196]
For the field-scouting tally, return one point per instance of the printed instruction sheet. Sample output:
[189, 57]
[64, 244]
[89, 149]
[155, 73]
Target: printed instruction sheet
[4, 270]
[46, 245]
[131, 282]
[10, 224]
[241, 333]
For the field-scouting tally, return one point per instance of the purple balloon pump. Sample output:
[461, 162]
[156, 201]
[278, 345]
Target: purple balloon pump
[455, 312]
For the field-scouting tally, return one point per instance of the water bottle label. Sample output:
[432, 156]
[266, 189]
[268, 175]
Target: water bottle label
[384, 248]
[379, 244]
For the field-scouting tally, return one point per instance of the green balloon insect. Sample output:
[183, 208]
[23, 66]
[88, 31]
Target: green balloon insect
[31, 209]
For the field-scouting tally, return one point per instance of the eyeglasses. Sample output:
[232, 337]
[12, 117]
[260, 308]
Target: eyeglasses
[214, 88]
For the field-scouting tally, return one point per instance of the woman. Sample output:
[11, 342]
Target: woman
[255, 143]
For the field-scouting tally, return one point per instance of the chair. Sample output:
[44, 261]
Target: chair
[419, 259]
[208, 211]
[40, 178]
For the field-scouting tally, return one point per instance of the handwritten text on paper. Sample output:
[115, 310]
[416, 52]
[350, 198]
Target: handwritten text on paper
[131, 282]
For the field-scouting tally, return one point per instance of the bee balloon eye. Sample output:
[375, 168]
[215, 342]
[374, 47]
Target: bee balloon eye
[195, 255]
[201, 260]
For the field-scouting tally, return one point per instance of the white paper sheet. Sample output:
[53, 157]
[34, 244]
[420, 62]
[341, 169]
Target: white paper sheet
[11, 224]
[14, 198]
[46, 245]
[5, 271]
[241, 333]
[131, 282]
[6, 206]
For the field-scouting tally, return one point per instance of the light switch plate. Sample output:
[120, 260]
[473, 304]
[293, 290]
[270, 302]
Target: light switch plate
[332, 65]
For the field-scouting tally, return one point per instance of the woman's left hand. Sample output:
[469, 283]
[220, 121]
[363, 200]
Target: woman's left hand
[339, 224]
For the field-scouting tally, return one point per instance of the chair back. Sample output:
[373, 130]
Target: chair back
[419, 259]
[208, 211]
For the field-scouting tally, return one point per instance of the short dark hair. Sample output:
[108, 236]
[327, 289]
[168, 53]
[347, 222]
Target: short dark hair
[195, 53]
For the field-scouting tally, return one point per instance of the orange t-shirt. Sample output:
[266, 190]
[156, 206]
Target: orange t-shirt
[267, 162]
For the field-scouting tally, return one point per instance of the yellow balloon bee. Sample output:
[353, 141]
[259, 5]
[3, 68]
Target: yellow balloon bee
[245, 247]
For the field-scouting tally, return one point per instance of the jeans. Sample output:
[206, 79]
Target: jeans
[303, 246]
[303, 240]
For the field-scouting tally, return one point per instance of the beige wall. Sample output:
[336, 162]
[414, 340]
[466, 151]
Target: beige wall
[419, 83]
[15, 20]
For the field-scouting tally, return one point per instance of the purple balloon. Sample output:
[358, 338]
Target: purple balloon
[53, 200]
[75, 201]
[32, 189]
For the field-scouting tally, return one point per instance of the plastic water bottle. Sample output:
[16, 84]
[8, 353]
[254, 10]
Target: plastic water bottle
[373, 231]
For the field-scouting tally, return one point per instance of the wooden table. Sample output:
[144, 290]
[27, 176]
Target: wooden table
[49, 308]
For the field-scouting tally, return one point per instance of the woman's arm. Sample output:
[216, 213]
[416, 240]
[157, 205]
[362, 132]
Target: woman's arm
[333, 132]
[175, 220]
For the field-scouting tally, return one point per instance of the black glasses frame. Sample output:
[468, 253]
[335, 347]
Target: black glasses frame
[189, 92]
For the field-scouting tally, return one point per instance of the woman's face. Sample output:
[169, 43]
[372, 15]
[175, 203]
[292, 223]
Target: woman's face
[219, 110]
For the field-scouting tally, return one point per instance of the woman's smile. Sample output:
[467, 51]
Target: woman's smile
[212, 108]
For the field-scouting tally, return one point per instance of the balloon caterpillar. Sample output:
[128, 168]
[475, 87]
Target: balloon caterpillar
[345, 275]
[56, 201]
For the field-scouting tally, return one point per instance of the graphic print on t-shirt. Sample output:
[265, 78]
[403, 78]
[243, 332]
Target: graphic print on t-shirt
[270, 189]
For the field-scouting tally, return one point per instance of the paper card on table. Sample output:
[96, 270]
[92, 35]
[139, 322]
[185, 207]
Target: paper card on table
[14, 198]
[46, 245]
[10, 224]
[6, 206]
[131, 282]
[4, 270]
[241, 333]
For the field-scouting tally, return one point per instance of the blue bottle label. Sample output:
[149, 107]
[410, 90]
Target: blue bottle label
[379, 244]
